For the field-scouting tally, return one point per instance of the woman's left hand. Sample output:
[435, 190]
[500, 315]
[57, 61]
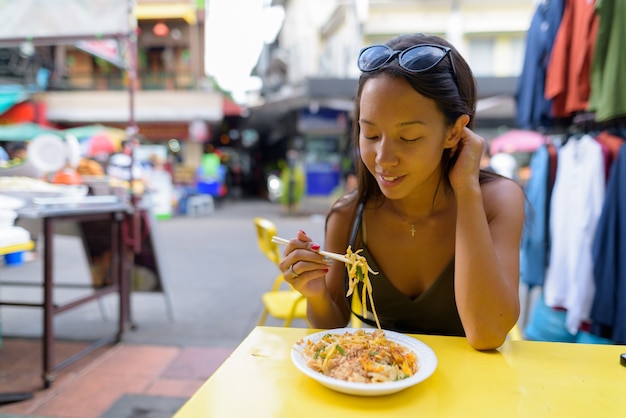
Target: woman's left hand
[466, 154]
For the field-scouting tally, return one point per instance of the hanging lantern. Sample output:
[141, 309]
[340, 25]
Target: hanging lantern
[160, 29]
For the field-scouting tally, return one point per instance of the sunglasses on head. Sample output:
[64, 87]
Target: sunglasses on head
[415, 59]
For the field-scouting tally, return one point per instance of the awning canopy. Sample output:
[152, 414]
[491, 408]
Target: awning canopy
[21, 132]
[8, 99]
[495, 104]
[230, 108]
[47, 23]
[166, 11]
[331, 93]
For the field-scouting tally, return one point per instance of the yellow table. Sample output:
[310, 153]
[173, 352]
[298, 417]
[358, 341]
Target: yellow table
[521, 379]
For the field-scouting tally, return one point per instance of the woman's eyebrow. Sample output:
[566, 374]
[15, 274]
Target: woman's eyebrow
[412, 122]
[408, 123]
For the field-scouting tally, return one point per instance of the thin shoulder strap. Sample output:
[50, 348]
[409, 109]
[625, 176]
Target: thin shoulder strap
[355, 230]
[357, 223]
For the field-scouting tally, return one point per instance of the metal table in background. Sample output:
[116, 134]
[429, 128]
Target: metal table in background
[85, 210]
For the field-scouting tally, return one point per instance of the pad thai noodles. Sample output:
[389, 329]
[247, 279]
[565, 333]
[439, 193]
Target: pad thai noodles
[360, 356]
[358, 272]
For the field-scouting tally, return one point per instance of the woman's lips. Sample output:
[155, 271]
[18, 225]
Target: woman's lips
[389, 181]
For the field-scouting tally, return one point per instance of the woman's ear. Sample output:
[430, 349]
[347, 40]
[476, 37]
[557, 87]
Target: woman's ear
[455, 131]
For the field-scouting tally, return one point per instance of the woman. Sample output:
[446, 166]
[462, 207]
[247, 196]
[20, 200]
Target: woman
[443, 234]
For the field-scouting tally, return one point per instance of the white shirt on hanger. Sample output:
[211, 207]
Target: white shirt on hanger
[576, 204]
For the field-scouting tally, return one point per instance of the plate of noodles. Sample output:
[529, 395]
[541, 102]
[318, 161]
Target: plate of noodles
[363, 361]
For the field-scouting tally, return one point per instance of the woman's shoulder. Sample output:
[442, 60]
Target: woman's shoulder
[345, 207]
[495, 183]
[341, 216]
[502, 194]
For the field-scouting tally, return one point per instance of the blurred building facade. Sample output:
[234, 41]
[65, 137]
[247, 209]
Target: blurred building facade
[310, 72]
[309, 78]
[173, 98]
[88, 81]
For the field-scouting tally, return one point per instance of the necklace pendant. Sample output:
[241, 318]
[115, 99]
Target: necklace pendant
[412, 230]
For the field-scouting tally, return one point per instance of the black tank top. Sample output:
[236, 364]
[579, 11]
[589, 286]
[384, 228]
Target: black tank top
[432, 312]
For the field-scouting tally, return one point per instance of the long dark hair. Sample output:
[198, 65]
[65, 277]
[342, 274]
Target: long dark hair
[450, 84]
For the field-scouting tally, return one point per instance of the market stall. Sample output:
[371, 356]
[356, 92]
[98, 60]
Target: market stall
[36, 208]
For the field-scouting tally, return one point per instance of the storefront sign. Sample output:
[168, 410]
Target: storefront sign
[322, 121]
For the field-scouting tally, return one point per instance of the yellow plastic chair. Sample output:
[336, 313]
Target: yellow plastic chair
[281, 301]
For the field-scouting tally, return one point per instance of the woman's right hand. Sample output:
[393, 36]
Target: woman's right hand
[303, 267]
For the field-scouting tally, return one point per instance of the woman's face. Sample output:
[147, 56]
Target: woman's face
[402, 136]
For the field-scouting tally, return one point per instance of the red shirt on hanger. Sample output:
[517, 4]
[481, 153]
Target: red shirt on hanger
[568, 81]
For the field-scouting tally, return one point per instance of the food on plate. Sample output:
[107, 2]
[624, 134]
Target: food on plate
[23, 183]
[89, 167]
[360, 356]
[358, 272]
[67, 176]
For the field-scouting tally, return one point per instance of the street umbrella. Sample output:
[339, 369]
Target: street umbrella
[87, 131]
[516, 140]
[97, 140]
[101, 144]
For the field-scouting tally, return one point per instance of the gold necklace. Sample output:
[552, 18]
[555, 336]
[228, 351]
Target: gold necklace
[412, 229]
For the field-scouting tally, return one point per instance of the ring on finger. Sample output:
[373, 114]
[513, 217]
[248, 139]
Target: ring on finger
[293, 272]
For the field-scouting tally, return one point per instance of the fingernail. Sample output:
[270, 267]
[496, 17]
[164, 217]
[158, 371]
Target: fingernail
[302, 231]
[325, 270]
[315, 246]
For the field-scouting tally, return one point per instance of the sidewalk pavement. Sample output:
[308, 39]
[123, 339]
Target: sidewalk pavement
[215, 275]
[212, 267]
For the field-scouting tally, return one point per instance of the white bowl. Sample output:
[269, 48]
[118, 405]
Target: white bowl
[426, 360]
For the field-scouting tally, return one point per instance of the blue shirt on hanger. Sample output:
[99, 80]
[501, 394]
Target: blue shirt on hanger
[608, 312]
[534, 251]
[533, 109]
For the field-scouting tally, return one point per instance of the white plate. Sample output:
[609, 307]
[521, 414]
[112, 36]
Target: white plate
[426, 360]
[47, 152]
